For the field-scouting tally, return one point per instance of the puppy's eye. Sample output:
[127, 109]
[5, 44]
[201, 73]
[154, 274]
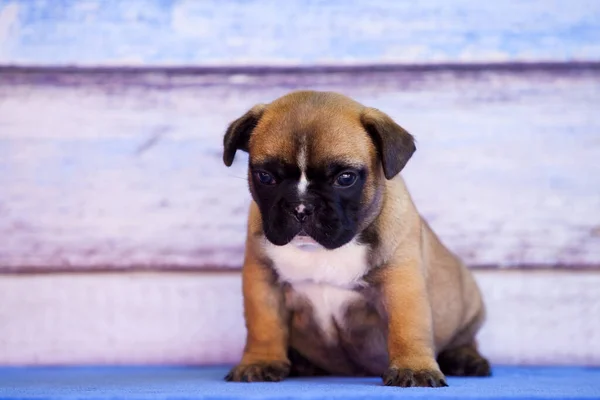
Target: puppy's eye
[346, 179]
[265, 178]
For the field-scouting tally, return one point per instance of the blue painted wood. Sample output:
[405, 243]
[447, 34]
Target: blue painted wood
[302, 32]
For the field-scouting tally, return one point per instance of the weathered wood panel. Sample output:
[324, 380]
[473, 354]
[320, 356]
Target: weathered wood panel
[190, 318]
[124, 170]
[305, 32]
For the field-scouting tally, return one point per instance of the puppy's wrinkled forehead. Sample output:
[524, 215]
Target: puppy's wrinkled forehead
[308, 129]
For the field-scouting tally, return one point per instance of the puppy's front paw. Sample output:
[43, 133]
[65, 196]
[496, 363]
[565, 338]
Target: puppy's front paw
[406, 377]
[272, 371]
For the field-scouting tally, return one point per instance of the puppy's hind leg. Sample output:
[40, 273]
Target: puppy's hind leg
[464, 360]
[302, 367]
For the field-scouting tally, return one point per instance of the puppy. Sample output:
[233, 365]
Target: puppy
[341, 274]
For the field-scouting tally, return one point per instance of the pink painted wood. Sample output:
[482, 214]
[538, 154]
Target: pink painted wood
[124, 171]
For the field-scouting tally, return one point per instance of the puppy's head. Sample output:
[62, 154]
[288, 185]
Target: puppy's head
[317, 165]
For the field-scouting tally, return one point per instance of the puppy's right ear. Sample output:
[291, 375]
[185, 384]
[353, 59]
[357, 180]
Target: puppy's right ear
[239, 131]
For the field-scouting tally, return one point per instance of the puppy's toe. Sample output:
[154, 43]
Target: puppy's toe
[273, 371]
[406, 377]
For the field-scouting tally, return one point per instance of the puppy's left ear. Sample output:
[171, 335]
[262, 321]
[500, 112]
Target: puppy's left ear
[238, 133]
[394, 144]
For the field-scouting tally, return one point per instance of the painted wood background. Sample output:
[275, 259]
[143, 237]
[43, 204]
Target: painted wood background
[121, 168]
[111, 119]
[296, 32]
[196, 318]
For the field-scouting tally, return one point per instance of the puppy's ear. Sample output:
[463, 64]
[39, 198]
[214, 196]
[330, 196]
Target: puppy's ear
[394, 144]
[238, 133]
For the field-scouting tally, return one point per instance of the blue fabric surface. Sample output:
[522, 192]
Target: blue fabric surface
[207, 383]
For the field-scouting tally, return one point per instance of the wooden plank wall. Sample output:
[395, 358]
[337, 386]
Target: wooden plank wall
[120, 168]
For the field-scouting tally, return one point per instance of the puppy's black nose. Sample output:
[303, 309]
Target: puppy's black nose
[302, 211]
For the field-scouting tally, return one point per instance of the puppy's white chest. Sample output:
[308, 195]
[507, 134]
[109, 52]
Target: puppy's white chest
[343, 267]
[325, 278]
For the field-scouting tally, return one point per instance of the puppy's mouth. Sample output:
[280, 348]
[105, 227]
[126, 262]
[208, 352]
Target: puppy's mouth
[303, 241]
[302, 234]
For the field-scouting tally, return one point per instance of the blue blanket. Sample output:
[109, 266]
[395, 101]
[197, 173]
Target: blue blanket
[157, 383]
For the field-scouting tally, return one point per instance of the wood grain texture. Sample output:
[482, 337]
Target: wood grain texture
[535, 318]
[124, 170]
[301, 32]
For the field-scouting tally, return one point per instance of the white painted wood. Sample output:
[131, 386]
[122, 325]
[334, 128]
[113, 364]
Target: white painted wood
[121, 318]
[300, 32]
[535, 317]
[541, 317]
[124, 170]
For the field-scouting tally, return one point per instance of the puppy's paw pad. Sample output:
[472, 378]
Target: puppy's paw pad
[273, 371]
[405, 377]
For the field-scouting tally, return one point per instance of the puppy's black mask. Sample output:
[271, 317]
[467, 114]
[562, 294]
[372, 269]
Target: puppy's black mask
[327, 209]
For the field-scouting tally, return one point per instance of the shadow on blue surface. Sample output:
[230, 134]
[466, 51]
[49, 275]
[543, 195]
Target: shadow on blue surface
[207, 383]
